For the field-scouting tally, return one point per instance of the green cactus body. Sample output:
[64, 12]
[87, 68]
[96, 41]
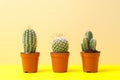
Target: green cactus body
[89, 44]
[93, 44]
[85, 44]
[89, 35]
[29, 41]
[60, 45]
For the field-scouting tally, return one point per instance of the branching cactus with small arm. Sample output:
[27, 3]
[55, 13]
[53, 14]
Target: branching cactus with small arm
[89, 44]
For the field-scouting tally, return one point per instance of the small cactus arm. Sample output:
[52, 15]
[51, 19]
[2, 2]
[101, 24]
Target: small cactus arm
[85, 46]
[93, 44]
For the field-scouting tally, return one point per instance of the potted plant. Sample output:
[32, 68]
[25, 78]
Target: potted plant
[89, 54]
[29, 56]
[60, 54]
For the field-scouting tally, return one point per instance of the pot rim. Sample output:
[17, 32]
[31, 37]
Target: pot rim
[59, 53]
[98, 52]
[29, 53]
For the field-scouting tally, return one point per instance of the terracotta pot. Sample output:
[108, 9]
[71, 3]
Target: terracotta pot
[59, 61]
[90, 61]
[30, 62]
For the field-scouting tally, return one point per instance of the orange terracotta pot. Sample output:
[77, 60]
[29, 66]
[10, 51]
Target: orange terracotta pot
[59, 61]
[90, 61]
[30, 62]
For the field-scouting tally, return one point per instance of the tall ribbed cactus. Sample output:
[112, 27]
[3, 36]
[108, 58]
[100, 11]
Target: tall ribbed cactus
[89, 44]
[29, 41]
[60, 45]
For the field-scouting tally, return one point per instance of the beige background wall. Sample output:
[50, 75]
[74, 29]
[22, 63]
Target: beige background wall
[70, 17]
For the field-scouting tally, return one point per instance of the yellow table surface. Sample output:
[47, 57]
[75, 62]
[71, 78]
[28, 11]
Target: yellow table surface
[14, 72]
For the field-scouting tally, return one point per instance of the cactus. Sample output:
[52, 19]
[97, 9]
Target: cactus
[29, 41]
[89, 44]
[89, 35]
[60, 45]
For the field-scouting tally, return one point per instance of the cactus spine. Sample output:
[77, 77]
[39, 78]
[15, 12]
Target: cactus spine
[60, 45]
[89, 44]
[29, 41]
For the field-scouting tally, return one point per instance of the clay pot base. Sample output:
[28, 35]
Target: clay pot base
[90, 71]
[30, 62]
[59, 71]
[59, 62]
[30, 71]
[90, 62]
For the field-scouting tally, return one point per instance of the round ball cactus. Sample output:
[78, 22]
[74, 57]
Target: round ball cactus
[60, 45]
[29, 41]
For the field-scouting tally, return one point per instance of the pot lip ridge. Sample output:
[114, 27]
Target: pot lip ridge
[59, 53]
[30, 53]
[98, 52]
